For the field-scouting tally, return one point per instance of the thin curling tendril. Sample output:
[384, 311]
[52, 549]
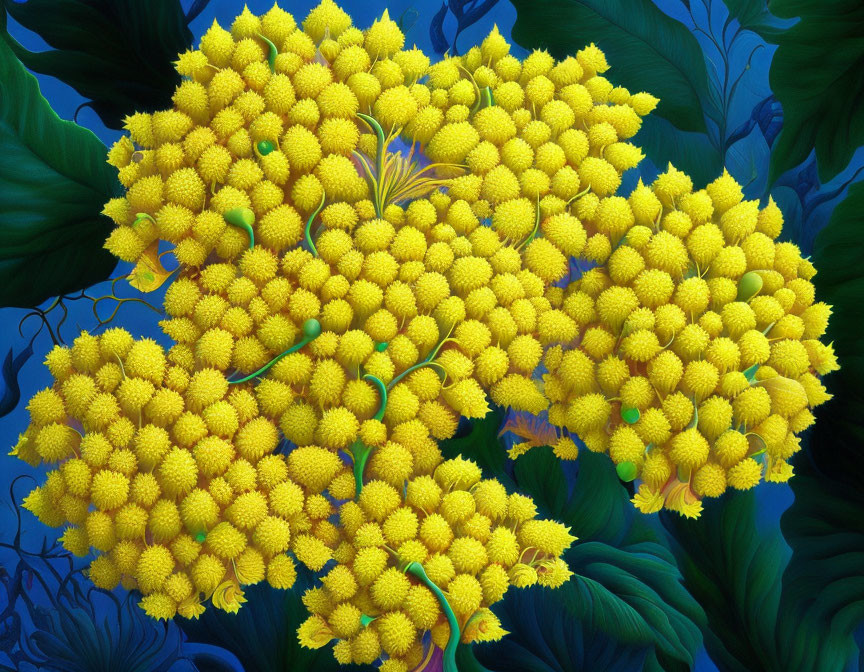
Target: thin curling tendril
[274, 52]
[309, 222]
[311, 331]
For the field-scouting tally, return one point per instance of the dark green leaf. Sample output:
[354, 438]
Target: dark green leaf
[753, 15]
[116, 53]
[818, 75]
[735, 574]
[263, 634]
[691, 152]
[647, 49]
[625, 602]
[824, 524]
[54, 182]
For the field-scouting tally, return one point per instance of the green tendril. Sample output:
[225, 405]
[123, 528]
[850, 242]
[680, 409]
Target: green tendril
[309, 223]
[274, 52]
[360, 452]
[311, 331]
[426, 362]
[449, 661]
[242, 218]
[695, 420]
[142, 215]
[536, 226]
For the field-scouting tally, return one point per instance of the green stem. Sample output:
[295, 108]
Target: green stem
[311, 331]
[274, 52]
[382, 390]
[536, 226]
[379, 154]
[412, 369]
[309, 225]
[449, 661]
[360, 452]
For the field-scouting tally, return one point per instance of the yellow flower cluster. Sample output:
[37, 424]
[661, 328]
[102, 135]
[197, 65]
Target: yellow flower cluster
[471, 539]
[412, 278]
[699, 358]
[166, 473]
[342, 296]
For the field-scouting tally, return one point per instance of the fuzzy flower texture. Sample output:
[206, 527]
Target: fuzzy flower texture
[370, 247]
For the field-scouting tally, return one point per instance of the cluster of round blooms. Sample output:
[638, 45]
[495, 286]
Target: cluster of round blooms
[698, 358]
[455, 284]
[170, 476]
[338, 296]
[393, 295]
[471, 539]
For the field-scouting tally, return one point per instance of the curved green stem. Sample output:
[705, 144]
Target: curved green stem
[242, 218]
[416, 569]
[274, 52]
[138, 217]
[382, 390]
[360, 452]
[412, 369]
[311, 331]
[379, 154]
[309, 225]
[536, 226]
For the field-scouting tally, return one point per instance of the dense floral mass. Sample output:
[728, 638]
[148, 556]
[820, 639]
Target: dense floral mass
[370, 247]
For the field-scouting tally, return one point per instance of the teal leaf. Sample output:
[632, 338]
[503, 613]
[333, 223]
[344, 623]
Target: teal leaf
[688, 151]
[818, 75]
[647, 49]
[116, 53]
[823, 525]
[54, 182]
[735, 573]
[263, 634]
[753, 15]
[625, 599]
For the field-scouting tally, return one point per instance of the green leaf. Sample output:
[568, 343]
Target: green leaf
[116, 53]
[647, 49]
[54, 182]
[735, 574]
[753, 15]
[625, 602]
[691, 152]
[263, 634]
[818, 75]
[823, 526]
